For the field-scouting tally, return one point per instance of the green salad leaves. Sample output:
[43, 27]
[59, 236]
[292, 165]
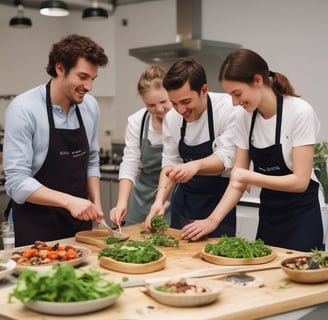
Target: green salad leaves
[63, 283]
[235, 247]
[132, 252]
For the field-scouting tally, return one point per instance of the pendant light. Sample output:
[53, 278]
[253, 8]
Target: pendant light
[95, 12]
[54, 8]
[20, 21]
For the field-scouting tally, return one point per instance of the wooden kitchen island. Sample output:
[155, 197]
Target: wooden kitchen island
[277, 295]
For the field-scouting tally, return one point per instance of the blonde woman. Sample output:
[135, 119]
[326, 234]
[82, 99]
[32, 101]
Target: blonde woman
[142, 159]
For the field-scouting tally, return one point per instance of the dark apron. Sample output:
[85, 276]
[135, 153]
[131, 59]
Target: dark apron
[196, 199]
[286, 219]
[144, 190]
[64, 169]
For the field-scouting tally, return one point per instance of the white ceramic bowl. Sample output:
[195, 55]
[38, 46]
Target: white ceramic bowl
[44, 267]
[214, 287]
[71, 308]
[9, 266]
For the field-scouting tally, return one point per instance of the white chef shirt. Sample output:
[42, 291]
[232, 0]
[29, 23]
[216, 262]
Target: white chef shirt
[131, 162]
[300, 126]
[197, 131]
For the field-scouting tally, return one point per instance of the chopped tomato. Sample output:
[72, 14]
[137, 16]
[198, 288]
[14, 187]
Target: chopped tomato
[52, 255]
[62, 254]
[69, 248]
[70, 255]
[29, 253]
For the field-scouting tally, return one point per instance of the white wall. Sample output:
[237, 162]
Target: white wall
[290, 34]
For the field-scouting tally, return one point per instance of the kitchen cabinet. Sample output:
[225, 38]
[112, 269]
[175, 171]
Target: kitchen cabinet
[109, 192]
[3, 205]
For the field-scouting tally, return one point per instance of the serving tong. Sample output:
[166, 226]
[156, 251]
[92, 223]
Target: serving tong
[117, 234]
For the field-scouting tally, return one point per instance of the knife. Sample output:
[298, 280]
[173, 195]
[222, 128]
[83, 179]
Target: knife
[194, 274]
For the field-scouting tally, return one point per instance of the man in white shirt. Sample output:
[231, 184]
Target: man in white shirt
[198, 148]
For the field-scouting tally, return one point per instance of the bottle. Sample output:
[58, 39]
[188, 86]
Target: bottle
[108, 145]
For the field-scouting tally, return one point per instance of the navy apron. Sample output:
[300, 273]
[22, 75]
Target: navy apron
[197, 198]
[144, 190]
[64, 169]
[286, 219]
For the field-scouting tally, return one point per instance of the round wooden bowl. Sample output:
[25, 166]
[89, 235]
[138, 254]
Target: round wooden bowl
[134, 268]
[236, 261]
[304, 276]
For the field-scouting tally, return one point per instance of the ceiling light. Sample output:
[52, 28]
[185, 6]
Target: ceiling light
[20, 21]
[54, 8]
[95, 12]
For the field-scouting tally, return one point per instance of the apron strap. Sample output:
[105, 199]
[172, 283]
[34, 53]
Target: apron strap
[142, 126]
[49, 109]
[209, 118]
[278, 121]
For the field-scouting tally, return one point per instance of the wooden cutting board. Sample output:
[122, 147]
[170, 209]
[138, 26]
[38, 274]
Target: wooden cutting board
[94, 237]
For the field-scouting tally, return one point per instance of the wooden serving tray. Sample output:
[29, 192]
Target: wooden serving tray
[94, 237]
[134, 268]
[236, 261]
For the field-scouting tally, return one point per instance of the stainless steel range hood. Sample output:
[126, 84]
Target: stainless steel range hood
[188, 42]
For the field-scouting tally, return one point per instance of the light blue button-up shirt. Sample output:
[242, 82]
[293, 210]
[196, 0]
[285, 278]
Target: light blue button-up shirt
[27, 138]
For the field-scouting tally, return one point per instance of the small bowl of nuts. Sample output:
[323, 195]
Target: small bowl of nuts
[186, 292]
[308, 268]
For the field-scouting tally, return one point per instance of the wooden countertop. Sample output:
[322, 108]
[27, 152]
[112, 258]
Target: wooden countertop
[234, 303]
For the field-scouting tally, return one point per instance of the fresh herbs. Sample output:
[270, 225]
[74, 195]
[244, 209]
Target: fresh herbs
[158, 224]
[132, 252]
[110, 240]
[157, 236]
[321, 258]
[162, 240]
[63, 284]
[235, 247]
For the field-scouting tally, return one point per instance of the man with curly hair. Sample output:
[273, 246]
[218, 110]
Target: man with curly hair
[51, 161]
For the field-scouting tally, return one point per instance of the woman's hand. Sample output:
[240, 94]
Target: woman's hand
[156, 209]
[118, 214]
[198, 229]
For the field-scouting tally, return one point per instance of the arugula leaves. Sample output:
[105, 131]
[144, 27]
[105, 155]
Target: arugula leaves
[235, 247]
[132, 252]
[63, 283]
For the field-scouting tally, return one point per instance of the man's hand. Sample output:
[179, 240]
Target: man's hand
[182, 173]
[198, 229]
[83, 209]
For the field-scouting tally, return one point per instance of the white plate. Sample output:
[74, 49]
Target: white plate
[70, 308]
[44, 267]
[9, 265]
[187, 299]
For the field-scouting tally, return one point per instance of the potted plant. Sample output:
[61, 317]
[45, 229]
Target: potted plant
[320, 165]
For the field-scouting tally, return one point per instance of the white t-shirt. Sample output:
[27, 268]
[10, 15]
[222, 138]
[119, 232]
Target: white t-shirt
[197, 131]
[299, 126]
[129, 167]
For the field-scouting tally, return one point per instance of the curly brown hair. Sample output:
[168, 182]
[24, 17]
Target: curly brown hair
[72, 47]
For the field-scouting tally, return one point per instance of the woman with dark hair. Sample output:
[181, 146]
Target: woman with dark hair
[276, 131]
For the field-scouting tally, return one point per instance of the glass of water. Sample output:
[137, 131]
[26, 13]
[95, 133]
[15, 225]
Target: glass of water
[8, 235]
